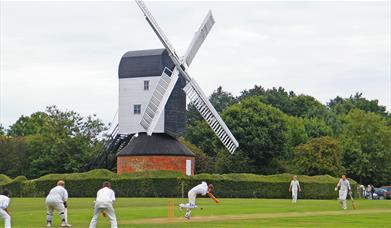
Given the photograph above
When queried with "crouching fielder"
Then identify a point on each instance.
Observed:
(294, 187)
(104, 204)
(201, 189)
(4, 213)
(57, 199)
(344, 187)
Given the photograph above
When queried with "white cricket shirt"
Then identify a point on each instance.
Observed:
(105, 196)
(344, 185)
(295, 185)
(199, 189)
(4, 201)
(58, 194)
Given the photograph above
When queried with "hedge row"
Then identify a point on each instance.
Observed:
(173, 184)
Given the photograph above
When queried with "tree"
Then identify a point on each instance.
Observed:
(198, 132)
(201, 135)
(2, 130)
(319, 156)
(14, 155)
(58, 141)
(220, 100)
(203, 163)
(261, 131)
(308, 107)
(345, 105)
(366, 145)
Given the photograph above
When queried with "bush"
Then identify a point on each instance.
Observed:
(4, 179)
(170, 184)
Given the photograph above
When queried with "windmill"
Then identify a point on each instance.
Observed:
(161, 111)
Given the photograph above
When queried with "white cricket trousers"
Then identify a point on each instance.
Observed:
(192, 198)
(342, 198)
(110, 214)
(6, 217)
(55, 206)
(294, 196)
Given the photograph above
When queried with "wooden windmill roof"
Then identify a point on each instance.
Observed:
(156, 144)
(144, 63)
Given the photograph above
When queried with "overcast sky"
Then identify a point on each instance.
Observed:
(67, 53)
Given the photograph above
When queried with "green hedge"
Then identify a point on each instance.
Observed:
(170, 184)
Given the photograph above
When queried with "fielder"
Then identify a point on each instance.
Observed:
(344, 187)
(57, 199)
(201, 189)
(104, 203)
(4, 213)
(294, 187)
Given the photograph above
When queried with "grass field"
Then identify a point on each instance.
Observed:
(152, 212)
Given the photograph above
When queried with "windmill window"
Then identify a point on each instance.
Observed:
(137, 109)
(146, 85)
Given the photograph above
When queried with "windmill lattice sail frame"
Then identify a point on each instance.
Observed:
(169, 78)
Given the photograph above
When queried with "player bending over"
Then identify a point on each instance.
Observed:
(294, 187)
(4, 213)
(57, 199)
(104, 203)
(201, 189)
(343, 186)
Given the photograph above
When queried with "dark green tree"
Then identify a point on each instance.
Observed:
(357, 101)
(58, 141)
(261, 131)
(2, 130)
(319, 156)
(366, 145)
(14, 155)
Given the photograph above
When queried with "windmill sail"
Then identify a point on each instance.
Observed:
(199, 38)
(167, 82)
(193, 91)
(158, 100)
(212, 117)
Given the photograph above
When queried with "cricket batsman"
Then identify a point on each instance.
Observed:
(57, 199)
(4, 213)
(294, 187)
(344, 187)
(104, 204)
(201, 189)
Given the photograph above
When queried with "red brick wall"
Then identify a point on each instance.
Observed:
(130, 164)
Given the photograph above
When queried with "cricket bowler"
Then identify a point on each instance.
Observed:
(57, 199)
(4, 213)
(104, 204)
(294, 187)
(344, 187)
(201, 189)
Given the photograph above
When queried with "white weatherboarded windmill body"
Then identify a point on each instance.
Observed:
(152, 104)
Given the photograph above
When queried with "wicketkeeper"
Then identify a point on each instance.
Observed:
(4, 213)
(201, 189)
(294, 187)
(344, 187)
(57, 199)
(104, 204)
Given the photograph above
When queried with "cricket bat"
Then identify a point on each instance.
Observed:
(213, 197)
(353, 203)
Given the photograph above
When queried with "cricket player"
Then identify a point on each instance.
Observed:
(201, 189)
(105, 198)
(294, 187)
(4, 213)
(344, 187)
(57, 199)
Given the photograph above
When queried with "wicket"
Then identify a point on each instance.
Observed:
(170, 207)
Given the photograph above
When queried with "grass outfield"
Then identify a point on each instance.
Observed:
(152, 212)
